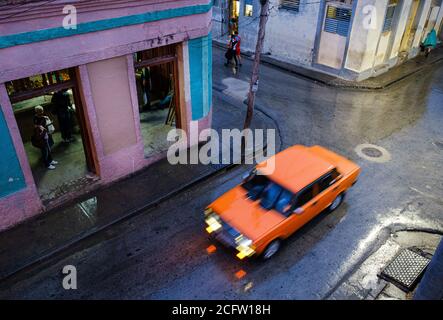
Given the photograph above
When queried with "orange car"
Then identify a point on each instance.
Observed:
(256, 215)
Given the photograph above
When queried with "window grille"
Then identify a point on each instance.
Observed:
(293, 5)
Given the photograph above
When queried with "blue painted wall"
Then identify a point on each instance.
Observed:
(11, 175)
(200, 66)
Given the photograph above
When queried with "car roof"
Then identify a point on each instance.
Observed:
(295, 167)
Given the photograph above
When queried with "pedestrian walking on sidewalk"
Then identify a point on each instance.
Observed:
(429, 43)
(231, 53)
(237, 50)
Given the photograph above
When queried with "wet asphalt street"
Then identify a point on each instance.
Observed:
(161, 253)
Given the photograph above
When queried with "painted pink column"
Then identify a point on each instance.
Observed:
(116, 117)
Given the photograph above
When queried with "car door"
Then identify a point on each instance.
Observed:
(302, 210)
(328, 189)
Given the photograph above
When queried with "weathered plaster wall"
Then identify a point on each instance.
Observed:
(291, 35)
(248, 27)
(112, 101)
(438, 22)
(363, 40)
(383, 45)
(331, 50)
(433, 14)
(219, 25)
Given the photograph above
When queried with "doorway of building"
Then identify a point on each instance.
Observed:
(411, 27)
(335, 31)
(66, 134)
(157, 82)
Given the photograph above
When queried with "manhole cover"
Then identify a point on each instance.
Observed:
(372, 152)
(405, 270)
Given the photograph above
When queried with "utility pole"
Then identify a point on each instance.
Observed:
(253, 86)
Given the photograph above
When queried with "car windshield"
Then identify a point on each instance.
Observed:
(270, 194)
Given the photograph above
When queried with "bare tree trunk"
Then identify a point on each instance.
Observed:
(253, 86)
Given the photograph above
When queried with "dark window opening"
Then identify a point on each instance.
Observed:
(249, 8)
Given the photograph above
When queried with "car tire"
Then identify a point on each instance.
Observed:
(337, 202)
(271, 249)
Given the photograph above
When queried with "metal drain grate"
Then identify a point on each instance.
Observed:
(405, 270)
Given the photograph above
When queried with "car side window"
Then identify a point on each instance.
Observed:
(327, 180)
(304, 196)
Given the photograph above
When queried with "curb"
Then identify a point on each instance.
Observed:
(353, 85)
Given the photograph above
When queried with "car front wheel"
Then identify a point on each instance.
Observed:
(271, 249)
(337, 202)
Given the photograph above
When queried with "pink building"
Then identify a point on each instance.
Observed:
(132, 70)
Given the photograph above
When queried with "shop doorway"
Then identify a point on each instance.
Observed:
(157, 82)
(411, 27)
(57, 94)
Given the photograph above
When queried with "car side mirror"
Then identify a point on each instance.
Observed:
(287, 209)
(299, 211)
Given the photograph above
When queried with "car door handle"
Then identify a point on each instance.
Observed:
(335, 188)
(314, 203)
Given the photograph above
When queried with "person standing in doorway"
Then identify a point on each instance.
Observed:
(43, 138)
(147, 86)
(62, 107)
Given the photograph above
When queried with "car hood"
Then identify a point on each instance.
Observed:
(245, 215)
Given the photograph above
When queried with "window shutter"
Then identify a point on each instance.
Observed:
(290, 5)
(338, 20)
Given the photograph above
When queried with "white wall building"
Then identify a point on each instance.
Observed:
(353, 39)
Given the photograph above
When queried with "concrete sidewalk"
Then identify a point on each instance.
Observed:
(382, 81)
(39, 238)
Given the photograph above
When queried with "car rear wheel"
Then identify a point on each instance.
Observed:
(337, 202)
(271, 249)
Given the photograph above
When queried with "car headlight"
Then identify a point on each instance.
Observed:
(244, 247)
(213, 221)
